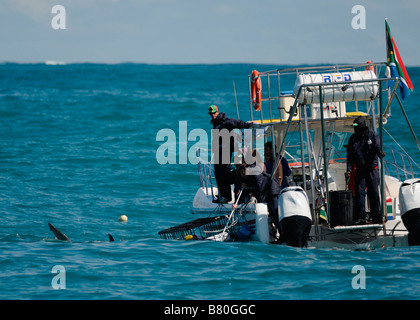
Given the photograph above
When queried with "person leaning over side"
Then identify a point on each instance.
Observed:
(257, 183)
(220, 121)
(363, 150)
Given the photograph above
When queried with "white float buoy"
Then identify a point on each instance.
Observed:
(123, 218)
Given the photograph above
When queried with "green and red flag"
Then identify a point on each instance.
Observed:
(395, 65)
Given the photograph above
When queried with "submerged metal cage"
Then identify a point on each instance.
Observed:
(199, 228)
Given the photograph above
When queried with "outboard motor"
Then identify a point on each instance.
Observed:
(295, 216)
(410, 209)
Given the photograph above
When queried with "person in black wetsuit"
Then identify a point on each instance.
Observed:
(221, 148)
(255, 182)
(363, 150)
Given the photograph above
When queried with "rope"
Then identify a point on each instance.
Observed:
(233, 222)
(233, 211)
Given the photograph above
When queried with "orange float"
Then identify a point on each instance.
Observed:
(256, 90)
(369, 67)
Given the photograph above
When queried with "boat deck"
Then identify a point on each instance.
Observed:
(357, 227)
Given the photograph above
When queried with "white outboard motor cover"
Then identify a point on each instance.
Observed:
(293, 201)
(409, 195)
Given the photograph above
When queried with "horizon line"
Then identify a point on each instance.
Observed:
(63, 63)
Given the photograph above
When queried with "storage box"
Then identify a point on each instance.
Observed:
(341, 208)
(286, 104)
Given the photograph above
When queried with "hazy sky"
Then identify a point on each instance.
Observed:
(207, 31)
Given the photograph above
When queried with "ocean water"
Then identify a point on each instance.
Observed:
(78, 150)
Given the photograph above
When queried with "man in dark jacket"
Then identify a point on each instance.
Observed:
(363, 150)
(223, 147)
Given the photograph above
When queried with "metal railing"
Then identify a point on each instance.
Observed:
(277, 85)
(398, 164)
(206, 174)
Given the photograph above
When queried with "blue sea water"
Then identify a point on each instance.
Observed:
(78, 150)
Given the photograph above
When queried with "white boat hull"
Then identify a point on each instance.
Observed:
(203, 203)
(362, 237)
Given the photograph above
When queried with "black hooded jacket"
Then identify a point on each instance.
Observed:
(258, 183)
(223, 122)
(363, 149)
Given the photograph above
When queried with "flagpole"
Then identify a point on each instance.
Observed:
(408, 122)
(390, 98)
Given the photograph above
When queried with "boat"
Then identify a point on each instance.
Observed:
(54, 63)
(308, 114)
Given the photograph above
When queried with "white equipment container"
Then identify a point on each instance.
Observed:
(335, 93)
(286, 104)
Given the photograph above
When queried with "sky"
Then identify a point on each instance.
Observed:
(282, 32)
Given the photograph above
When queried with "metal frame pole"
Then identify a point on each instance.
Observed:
(325, 174)
(382, 147)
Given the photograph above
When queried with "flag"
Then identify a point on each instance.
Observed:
(395, 65)
(322, 214)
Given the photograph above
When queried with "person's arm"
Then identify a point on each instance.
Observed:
(237, 124)
(350, 160)
(285, 166)
(279, 173)
(378, 150)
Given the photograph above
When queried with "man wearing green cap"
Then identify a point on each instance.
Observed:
(363, 151)
(220, 121)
